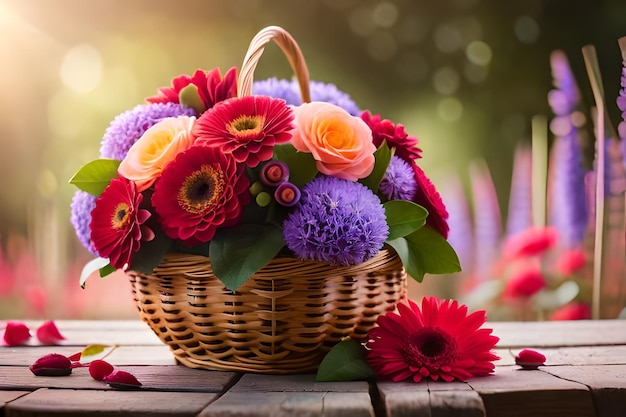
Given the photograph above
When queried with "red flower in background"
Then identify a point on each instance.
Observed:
(531, 242)
(248, 127)
(212, 88)
(571, 262)
(525, 281)
(428, 197)
(572, 311)
(394, 134)
(438, 341)
(117, 223)
(202, 190)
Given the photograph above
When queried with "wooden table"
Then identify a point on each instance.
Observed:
(585, 375)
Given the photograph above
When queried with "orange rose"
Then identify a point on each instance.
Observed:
(155, 149)
(340, 143)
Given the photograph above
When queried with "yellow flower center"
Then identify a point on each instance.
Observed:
(201, 189)
(121, 216)
(245, 125)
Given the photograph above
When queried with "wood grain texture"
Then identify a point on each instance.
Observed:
(61, 402)
(291, 383)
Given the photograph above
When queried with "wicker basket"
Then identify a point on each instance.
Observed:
(287, 315)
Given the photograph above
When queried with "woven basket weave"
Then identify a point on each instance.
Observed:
(287, 315)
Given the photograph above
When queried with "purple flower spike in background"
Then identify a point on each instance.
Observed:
(287, 194)
(399, 182)
(337, 221)
(81, 206)
(127, 127)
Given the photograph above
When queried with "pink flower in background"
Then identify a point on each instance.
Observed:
(571, 261)
(531, 242)
(15, 333)
(526, 281)
(572, 311)
(437, 341)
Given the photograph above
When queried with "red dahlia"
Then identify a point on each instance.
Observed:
(394, 134)
(202, 190)
(437, 341)
(117, 223)
(248, 127)
(211, 87)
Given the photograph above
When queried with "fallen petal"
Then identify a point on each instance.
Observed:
(529, 359)
(122, 379)
(49, 334)
(16, 333)
(53, 364)
(100, 369)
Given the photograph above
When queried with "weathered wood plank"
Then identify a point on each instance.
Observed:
(291, 383)
(96, 403)
(8, 396)
(562, 333)
(404, 399)
(607, 384)
(514, 392)
(456, 404)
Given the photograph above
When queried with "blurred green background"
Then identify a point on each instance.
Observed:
(465, 76)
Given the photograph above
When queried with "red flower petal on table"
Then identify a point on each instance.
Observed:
(122, 378)
(16, 333)
(116, 222)
(428, 197)
(526, 281)
(438, 341)
(531, 242)
(394, 134)
(529, 359)
(572, 311)
(48, 333)
(571, 261)
(211, 190)
(248, 127)
(99, 369)
(212, 88)
(53, 364)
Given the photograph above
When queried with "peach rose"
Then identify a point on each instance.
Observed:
(156, 148)
(340, 143)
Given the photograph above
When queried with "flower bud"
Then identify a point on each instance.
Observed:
(122, 379)
(529, 359)
(16, 333)
(263, 199)
(287, 194)
(274, 173)
(53, 364)
(256, 188)
(99, 369)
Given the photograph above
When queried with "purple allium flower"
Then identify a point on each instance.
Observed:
(290, 92)
(287, 194)
(337, 221)
(81, 206)
(399, 182)
(127, 127)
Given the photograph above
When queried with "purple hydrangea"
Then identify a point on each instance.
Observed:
(127, 127)
(290, 92)
(81, 206)
(399, 182)
(337, 221)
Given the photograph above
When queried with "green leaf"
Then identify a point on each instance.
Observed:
(426, 251)
(302, 167)
(238, 252)
(404, 217)
(106, 270)
(190, 97)
(94, 176)
(151, 253)
(345, 362)
(95, 351)
(382, 157)
(98, 264)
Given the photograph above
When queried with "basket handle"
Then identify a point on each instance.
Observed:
(291, 50)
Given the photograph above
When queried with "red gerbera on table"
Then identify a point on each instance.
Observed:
(438, 341)
(117, 222)
(248, 127)
(210, 191)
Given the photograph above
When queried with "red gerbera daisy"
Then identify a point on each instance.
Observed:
(437, 341)
(394, 134)
(248, 127)
(117, 223)
(211, 87)
(428, 197)
(210, 191)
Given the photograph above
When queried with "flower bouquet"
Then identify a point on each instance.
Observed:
(259, 228)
